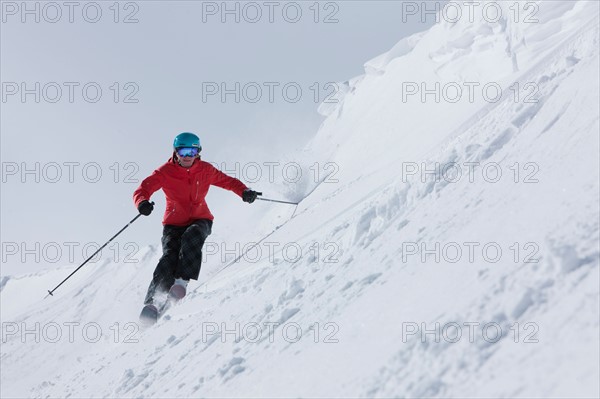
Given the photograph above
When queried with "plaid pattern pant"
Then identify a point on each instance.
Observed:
(182, 255)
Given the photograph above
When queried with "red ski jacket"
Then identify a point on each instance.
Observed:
(186, 190)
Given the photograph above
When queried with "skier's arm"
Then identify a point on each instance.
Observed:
(148, 187)
(220, 179)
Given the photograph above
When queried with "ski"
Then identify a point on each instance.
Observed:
(151, 313)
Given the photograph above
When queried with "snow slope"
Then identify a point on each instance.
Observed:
(365, 312)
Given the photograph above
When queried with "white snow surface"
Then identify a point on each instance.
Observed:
(362, 313)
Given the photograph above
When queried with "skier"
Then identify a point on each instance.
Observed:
(185, 180)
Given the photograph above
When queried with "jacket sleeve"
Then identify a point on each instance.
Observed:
(148, 187)
(220, 179)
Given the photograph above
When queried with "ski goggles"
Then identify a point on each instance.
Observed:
(187, 151)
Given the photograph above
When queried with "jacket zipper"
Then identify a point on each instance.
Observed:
(170, 213)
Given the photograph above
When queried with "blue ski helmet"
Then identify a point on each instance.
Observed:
(187, 140)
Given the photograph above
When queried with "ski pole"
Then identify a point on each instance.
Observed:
(50, 292)
(281, 202)
(273, 200)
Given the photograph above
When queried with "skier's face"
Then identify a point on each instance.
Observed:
(186, 162)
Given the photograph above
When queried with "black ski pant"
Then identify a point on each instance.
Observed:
(182, 255)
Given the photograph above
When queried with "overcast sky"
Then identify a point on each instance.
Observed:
(94, 93)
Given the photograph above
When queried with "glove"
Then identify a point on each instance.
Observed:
(145, 207)
(249, 196)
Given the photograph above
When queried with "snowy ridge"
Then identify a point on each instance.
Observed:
(360, 289)
(443, 58)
